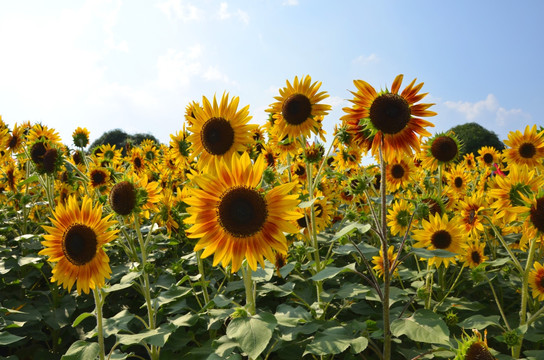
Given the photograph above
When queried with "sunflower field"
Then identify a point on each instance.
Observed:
(239, 241)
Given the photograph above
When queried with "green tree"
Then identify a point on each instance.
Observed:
(474, 136)
(120, 138)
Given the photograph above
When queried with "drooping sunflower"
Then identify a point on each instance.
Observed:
(298, 107)
(219, 130)
(536, 281)
(180, 145)
(525, 149)
(440, 233)
(233, 219)
(75, 242)
(389, 115)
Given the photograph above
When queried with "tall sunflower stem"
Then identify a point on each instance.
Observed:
(99, 297)
(516, 350)
(250, 289)
(202, 276)
(147, 286)
(322, 165)
(450, 289)
(505, 245)
(498, 303)
(386, 260)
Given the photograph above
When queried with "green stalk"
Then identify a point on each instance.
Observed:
(99, 302)
(146, 287)
(249, 286)
(516, 350)
(202, 276)
(386, 261)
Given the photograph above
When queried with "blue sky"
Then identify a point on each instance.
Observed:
(136, 64)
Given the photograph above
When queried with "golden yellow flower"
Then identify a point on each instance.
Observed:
(234, 220)
(75, 242)
(388, 115)
(297, 109)
(440, 233)
(219, 130)
(474, 254)
(398, 217)
(525, 149)
(536, 281)
(378, 261)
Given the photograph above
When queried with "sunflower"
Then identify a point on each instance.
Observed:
(233, 219)
(16, 139)
(80, 136)
(75, 242)
(458, 180)
(525, 149)
(190, 112)
(469, 162)
(442, 148)
(488, 155)
(509, 191)
(39, 133)
(536, 281)
(471, 209)
(399, 173)
(219, 130)
(180, 145)
(378, 262)
(99, 177)
(440, 233)
(134, 195)
(473, 348)
(297, 108)
(474, 254)
(107, 156)
(138, 160)
(388, 115)
(347, 157)
(398, 217)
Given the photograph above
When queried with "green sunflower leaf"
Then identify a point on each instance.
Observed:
(82, 350)
(423, 326)
(252, 333)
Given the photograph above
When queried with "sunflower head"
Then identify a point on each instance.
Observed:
(297, 108)
(473, 347)
(442, 148)
(75, 243)
(123, 197)
(80, 136)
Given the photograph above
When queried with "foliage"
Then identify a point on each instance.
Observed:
(474, 136)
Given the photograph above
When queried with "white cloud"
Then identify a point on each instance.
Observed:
(181, 10)
(243, 16)
(290, 2)
(176, 68)
(488, 113)
(213, 73)
(366, 59)
(223, 11)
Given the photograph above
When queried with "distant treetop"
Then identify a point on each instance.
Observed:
(474, 136)
(119, 138)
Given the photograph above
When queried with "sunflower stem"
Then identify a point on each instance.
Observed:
(505, 245)
(99, 301)
(202, 276)
(386, 262)
(147, 287)
(516, 350)
(249, 286)
(498, 303)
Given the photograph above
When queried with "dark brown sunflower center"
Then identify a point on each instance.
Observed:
(441, 239)
(77, 158)
(390, 113)
(270, 159)
(50, 160)
(300, 170)
(138, 163)
(318, 209)
(527, 150)
(242, 211)
(397, 171)
(37, 151)
(458, 182)
(471, 216)
(217, 136)
(296, 109)
(123, 198)
(444, 148)
(488, 158)
(433, 205)
(302, 222)
(476, 258)
(98, 177)
(537, 214)
(79, 244)
(478, 351)
(13, 141)
(541, 282)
